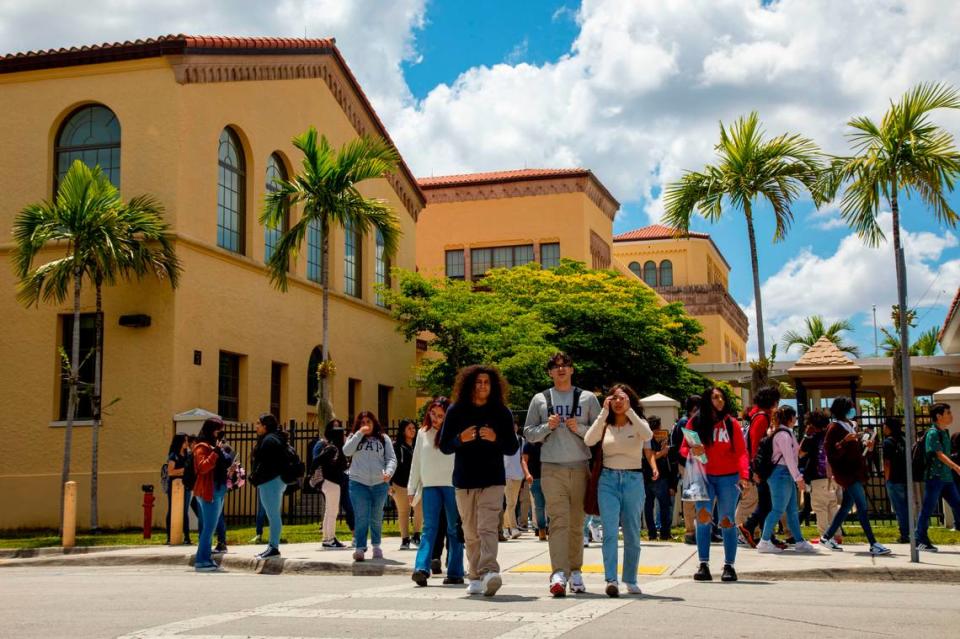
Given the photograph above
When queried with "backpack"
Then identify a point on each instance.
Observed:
(576, 400)
(189, 473)
(918, 457)
(309, 486)
(763, 462)
(293, 468)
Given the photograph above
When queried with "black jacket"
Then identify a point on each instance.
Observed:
(269, 458)
(331, 460)
(404, 455)
(478, 463)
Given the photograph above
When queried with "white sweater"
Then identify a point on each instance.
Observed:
(429, 467)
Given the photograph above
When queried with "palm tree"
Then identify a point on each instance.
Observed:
(327, 189)
(926, 344)
(904, 152)
(105, 239)
(749, 167)
(815, 329)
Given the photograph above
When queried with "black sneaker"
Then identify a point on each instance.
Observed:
(927, 546)
(690, 540)
(220, 547)
(729, 574)
(420, 577)
(703, 573)
(435, 567)
(452, 580)
(268, 553)
(405, 544)
(336, 543)
(416, 539)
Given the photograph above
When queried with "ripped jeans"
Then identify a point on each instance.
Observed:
(725, 490)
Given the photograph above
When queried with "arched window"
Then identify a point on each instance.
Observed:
(271, 236)
(91, 134)
(650, 273)
(666, 273)
(635, 268)
(231, 193)
(313, 385)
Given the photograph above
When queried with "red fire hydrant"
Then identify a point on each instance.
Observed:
(148, 500)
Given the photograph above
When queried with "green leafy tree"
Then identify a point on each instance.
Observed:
(613, 327)
(815, 328)
(926, 344)
(106, 239)
(326, 190)
(749, 168)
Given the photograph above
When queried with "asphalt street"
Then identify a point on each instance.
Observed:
(174, 602)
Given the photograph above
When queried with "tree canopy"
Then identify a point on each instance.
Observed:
(613, 328)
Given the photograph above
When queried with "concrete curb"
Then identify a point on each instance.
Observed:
(26, 553)
(904, 573)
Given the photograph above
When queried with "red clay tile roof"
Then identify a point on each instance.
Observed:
(655, 232)
(494, 177)
(954, 306)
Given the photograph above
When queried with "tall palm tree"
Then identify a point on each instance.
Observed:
(815, 328)
(906, 153)
(749, 167)
(326, 188)
(105, 239)
(926, 344)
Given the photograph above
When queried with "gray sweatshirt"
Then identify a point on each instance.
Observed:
(372, 456)
(561, 446)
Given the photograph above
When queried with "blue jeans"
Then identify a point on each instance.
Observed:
(211, 511)
(783, 499)
(261, 516)
(620, 496)
(221, 529)
(435, 499)
(658, 493)
(898, 499)
(933, 491)
(852, 495)
(368, 502)
(271, 498)
(539, 504)
(726, 492)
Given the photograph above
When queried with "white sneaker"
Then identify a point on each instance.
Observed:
(634, 589)
(514, 533)
(766, 546)
(831, 544)
(878, 549)
(806, 548)
(576, 582)
(596, 532)
(491, 583)
(475, 587)
(586, 541)
(558, 584)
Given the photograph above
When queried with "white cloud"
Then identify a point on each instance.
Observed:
(851, 280)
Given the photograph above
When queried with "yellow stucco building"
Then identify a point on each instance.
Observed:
(691, 270)
(203, 124)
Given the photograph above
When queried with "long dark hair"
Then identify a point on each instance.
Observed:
(707, 416)
(176, 444)
(269, 422)
(441, 402)
(333, 433)
(631, 395)
(840, 407)
(377, 428)
(467, 379)
(402, 430)
(211, 426)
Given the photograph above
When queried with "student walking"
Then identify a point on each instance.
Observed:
(938, 473)
(784, 482)
(691, 406)
(513, 470)
(824, 492)
(661, 491)
(373, 464)
(403, 449)
(328, 456)
(531, 468)
(210, 464)
(178, 456)
(269, 463)
(624, 437)
(895, 474)
(721, 439)
(757, 490)
(478, 430)
(431, 483)
(559, 418)
(846, 459)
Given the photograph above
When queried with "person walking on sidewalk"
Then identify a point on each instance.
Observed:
(513, 470)
(403, 449)
(559, 418)
(784, 482)
(938, 473)
(845, 454)
(531, 468)
(895, 474)
(478, 431)
(624, 437)
(691, 406)
(269, 462)
(328, 456)
(727, 469)
(374, 463)
(824, 492)
(431, 483)
(757, 490)
(210, 465)
(661, 491)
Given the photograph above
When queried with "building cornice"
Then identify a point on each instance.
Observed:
(708, 299)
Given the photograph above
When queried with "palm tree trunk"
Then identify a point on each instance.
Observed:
(72, 381)
(324, 407)
(95, 435)
(760, 375)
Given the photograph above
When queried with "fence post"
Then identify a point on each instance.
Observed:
(69, 538)
(176, 512)
(293, 442)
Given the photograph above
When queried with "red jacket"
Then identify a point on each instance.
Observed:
(759, 423)
(204, 463)
(726, 455)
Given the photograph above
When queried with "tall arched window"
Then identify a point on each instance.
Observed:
(231, 193)
(666, 273)
(313, 385)
(271, 235)
(91, 134)
(650, 273)
(635, 269)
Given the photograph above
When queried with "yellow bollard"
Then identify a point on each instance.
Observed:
(176, 512)
(69, 539)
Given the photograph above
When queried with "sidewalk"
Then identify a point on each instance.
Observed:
(529, 556)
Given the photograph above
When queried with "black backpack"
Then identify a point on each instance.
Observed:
(763, 462)
(189, 473)
(918, 457)
(293, 468)
(576, 400)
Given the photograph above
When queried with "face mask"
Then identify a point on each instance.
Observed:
(851, 413)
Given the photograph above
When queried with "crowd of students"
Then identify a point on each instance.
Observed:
(463, 471)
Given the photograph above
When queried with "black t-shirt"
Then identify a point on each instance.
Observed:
(894, 451)
(532, 451)
(478, 463)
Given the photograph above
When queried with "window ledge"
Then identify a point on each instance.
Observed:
(77, 422)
